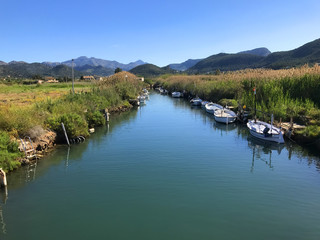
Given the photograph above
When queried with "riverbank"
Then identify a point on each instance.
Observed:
(290, 94)
(86, 108)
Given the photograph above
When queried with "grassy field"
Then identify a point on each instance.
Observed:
(19, 94)
(23, 107)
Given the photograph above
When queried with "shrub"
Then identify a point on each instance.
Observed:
(95, 119)
(9, 153)
(74, 124)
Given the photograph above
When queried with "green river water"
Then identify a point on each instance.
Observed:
(166, 171)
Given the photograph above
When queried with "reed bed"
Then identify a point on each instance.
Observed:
(288, 93)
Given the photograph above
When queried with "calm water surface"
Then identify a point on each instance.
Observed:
(166, 171)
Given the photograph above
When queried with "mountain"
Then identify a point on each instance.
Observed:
(185, 65)
(82, 61)
(150, 70)
(306, 54)
(29, 70)
(17, 62)
(257, 51)
(52, 64)
(95, 70)
(226, 62)
(309, 53)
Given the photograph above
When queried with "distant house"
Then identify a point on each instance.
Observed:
(88, 78)
(141, 79)
(50, 80)
(98, 78)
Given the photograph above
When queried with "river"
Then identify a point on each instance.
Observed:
(166, 171)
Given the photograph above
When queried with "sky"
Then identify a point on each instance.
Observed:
(157, 32)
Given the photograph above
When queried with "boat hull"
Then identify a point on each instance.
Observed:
(225, 116)
(176, 94)
(225, 120)
(212, 107)
(257, 128)
(196, 102)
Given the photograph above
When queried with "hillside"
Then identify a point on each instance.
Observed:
(29, 70)
(306, 54)
(263, 52)
(83, 61)
(150, 70)
(225, 62)
(95, 70)
(185, 65)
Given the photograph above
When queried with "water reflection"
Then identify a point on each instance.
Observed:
(4, 198)
(29, 173)
(3, 224)
(263, 151)
(224, 129)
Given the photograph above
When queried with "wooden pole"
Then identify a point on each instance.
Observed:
(72, 78)
(255, 104)
(65, 134)
(3, 178)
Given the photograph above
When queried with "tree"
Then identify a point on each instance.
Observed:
(117, 70)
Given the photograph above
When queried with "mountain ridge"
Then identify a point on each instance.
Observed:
(308, 53)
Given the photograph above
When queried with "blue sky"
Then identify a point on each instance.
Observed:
(158, 32)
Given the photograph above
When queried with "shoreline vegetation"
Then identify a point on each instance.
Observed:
(289, 94)
(36, 108)
(30, 110)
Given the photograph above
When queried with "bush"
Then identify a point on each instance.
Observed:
(74, 124)
(9, 153)
(95, 119)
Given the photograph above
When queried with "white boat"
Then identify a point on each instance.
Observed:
(196, 101)
(145, 91)
(225, 116)
(163, 91)
(203, 104)
(176, 94)
(142, 99)
(265, 131)
(212, 107)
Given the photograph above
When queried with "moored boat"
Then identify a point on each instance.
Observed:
(225, 116)
(265, 131)
(212, 107)
(176, 94)
(142, 99)
(196, 101)
(203, 104)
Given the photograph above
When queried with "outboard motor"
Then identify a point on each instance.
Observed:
(265, 132)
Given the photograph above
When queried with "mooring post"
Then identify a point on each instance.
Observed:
(3, 178)
(107, 115)
(65, 134)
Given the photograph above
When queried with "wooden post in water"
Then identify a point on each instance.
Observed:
(65, 133)
(107, 115)
(3, 178)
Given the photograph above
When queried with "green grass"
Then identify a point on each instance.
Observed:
(8, 153)
(20, 88)
(77, 111)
